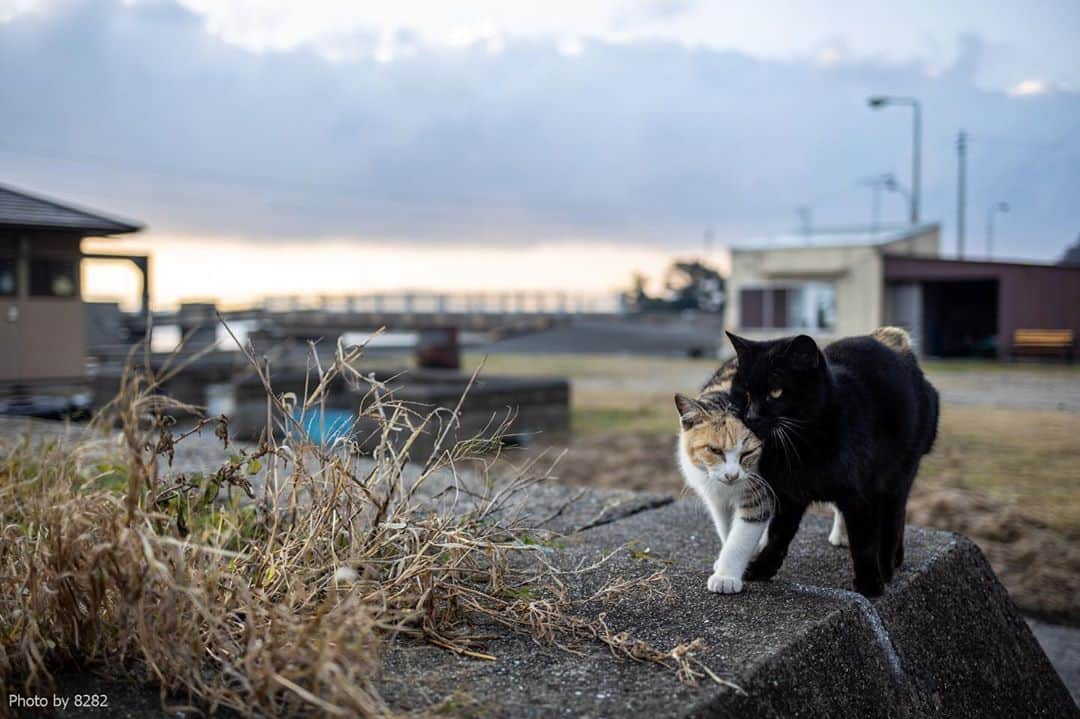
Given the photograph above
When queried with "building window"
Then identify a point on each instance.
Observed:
(808, 306)
(54, 278)
(7, 277)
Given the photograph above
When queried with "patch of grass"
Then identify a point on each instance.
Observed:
(1026, 457)
(588, 421)
(610, 369)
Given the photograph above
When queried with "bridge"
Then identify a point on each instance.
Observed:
(500, 313)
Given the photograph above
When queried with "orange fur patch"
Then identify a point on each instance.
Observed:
(721, 432)
(895, 338)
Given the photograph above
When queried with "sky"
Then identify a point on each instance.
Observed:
(281, 147)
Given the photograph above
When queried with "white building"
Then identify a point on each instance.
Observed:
(826, 286)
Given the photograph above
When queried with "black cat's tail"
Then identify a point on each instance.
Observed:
(930, 407)
(898, 340)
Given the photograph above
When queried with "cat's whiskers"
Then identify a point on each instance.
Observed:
(792, 435)
(782, 440)
(759, 486)
(789, 431)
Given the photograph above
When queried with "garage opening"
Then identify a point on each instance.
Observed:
(960, 318)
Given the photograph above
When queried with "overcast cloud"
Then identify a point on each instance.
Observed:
(156, 112)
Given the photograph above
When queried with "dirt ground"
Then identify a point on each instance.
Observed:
(1039, 565)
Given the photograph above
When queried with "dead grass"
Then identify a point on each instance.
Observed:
(1027, 459)
(277, 603)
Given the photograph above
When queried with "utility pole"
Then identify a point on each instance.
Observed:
(916, 163)
(961, 190)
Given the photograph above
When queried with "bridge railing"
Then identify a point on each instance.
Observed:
(525, 302)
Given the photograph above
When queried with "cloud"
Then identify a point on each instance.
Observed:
(1026, 88)
(647, 12)
(503, 140)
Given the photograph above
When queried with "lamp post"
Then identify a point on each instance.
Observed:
(994, 209)
(879, 101)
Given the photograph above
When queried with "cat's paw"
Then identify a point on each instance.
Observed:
(724, 585)
(838, 538)
(872, 587)
(761, 569)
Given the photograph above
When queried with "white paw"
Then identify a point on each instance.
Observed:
(838, 539)
(724, 585)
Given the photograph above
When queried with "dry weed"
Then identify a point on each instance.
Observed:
(280, 601)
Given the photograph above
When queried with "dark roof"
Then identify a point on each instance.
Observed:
(24, 210)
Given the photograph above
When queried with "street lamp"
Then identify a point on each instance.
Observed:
(879, 101)
(995, 208)
(876, 184)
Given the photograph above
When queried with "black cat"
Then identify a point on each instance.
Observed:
(848, 425)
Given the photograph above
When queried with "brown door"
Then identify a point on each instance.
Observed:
(51, 320)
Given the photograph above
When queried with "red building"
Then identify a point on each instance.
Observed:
(960, 307)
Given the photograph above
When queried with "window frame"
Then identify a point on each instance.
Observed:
(73, 262)
(770, 293)
(14, 294)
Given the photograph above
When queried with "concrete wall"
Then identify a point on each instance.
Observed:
(855, 270)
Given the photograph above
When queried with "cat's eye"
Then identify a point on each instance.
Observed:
(715, 450)
(775, 393)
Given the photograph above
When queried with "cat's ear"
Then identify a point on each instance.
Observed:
(803, 353)
(690, 411)
(744, 349)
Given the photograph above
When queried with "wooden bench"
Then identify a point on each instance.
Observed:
(1044, 342)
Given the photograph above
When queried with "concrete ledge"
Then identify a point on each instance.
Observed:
(944, 640)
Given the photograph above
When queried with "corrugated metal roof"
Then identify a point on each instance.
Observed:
(22, 209)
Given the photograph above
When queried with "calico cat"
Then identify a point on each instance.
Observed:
(847, 425)
(718, 457)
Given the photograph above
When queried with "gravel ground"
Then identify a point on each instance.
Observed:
(1027, 389)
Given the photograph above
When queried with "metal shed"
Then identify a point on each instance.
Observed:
(961, 307)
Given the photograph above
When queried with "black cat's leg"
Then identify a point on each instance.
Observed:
(782, 529)
(892, 511)
(901, 519)
(898, 552)
(864, 535)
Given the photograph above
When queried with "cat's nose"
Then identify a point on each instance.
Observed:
(730, 476)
